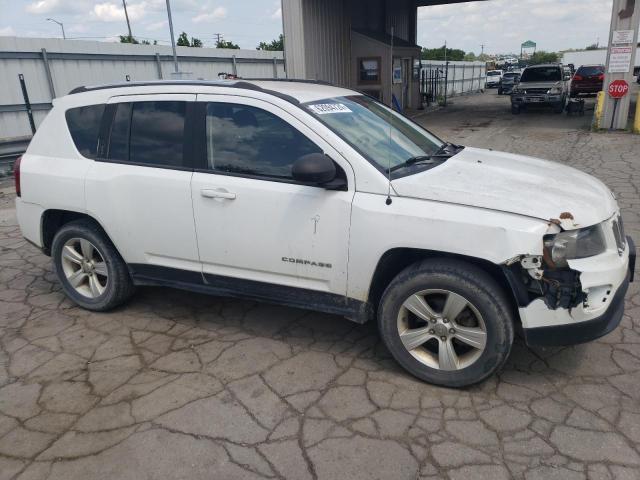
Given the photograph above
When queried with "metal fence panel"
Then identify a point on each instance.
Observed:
(56, 66)
(440, 80)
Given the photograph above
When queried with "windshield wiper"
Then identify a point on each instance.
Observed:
(445, 151)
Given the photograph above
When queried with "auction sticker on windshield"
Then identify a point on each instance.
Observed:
(324, 108)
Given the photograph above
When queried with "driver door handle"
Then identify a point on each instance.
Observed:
(217, 193)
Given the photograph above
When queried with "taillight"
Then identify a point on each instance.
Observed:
(601, 77)
(16, 175)
(577, 77)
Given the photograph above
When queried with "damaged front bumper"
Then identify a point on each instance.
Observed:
(605, 280)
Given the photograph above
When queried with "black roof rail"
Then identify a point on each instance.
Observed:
(239, 83)
(290, 80)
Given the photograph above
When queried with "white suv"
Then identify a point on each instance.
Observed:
(319, 197)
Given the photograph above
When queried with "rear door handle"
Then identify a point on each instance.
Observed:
(217, 193)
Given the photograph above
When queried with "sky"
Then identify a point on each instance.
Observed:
(501, 25)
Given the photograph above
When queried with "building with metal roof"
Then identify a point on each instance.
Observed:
(349, 43)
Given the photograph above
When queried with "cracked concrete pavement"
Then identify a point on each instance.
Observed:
(180, 385)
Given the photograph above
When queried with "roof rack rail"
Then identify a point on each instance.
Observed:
(290, 80)
(239, 83)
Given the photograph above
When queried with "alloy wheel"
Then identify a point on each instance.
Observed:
(442, 329)
(84, 267)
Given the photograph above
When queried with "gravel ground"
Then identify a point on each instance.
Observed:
(179, 385)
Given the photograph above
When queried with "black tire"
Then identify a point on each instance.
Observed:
(558, 108)
(464, 279)
(515, 110)
(119, 287)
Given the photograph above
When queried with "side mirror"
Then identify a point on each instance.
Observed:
(314, 168)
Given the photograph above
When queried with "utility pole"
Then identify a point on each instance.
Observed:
(126, 15)
(218, 37)
(482, 49)
(173, 40)
(623, 38)
(61, 26)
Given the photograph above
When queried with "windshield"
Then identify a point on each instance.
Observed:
(510, 75)
(493, 73)
(382, 136)
(542, 74)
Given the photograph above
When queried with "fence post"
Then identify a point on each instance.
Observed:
(446, 82)
(159, 65)
(47, 70)
(275, 67)
(464, 69)
(27, 103)
(473, 75)
(234, 65)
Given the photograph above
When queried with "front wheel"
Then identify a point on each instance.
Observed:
(515, 110)
(446, 322)
(89, 268)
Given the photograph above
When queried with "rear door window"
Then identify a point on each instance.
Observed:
(148, 133)
(84, 126)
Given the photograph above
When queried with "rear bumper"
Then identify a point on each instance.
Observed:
(586, 89)
(29, 219)
(587, 330)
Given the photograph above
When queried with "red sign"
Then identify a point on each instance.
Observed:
(618, 88)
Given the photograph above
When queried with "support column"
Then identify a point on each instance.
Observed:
(47, 70)
(625, 16)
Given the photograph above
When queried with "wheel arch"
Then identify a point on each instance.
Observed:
(395, 260)
(53, 219)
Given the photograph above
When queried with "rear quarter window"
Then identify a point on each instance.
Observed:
(84, 126)
(595, 70)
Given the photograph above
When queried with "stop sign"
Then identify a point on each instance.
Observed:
(618, 88)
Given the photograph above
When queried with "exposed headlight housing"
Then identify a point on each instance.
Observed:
(554, 91)
(573, 244)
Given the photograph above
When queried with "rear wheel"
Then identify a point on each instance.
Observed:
(446, 322)
(89, 268)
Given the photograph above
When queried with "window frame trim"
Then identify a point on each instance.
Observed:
(201, 164)
(188, 146)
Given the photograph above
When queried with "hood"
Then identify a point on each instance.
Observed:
(513, 183)
(539, 84)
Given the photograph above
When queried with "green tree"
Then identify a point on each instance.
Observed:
(183, 40)
(543, 57)
(453, 54)
(593, 46)
(226, 44)
(470, 57)
(275, 45)
(128, 39)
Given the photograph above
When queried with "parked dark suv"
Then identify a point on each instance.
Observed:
(508, 82)
(588, 79)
